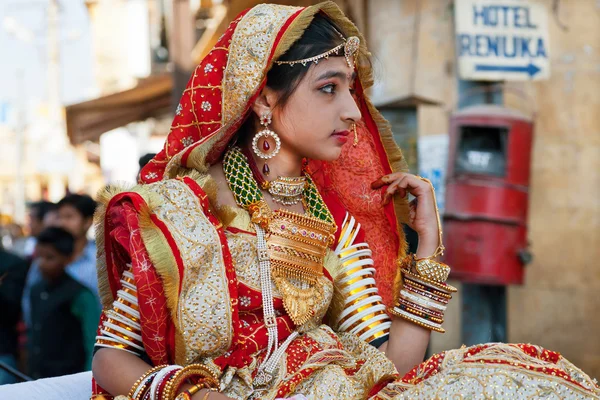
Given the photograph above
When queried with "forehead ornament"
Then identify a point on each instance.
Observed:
(350, 46)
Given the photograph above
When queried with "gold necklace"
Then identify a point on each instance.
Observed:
(286, 191)
(295, 244)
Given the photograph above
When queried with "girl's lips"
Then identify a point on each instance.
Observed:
(341, 134)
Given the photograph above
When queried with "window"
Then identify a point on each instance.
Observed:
(482, 150)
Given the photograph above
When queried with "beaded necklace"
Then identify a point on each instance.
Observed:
(293, 257)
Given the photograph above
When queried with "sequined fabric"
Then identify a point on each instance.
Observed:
(494, 371)
(204, 313)
(320, 363)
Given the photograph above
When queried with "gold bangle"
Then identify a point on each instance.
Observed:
(425, 294)
(426, 267)
(406, 302)
(439, 251)
(142, 378)
(428, 289)
(432, 269)
(443, 287)
(422, 314)
(414, 321)
(194, 389)
(186, 373)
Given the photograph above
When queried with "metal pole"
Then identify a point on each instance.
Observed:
(20, 161)
(53, 62)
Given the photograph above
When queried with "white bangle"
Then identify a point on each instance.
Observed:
(160, 375)
(121, 340)
(383, 327)
(111, 314)
(422, 301)
(127, 309)
(125, 332)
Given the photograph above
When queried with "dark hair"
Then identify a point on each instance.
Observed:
(39, 209)
(321, 36)
(59, 239)
(81, 202)
(145, 159)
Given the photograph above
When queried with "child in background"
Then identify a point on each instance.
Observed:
(64, 313)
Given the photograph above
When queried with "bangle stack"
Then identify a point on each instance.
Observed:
(424, 295)
(121, 329)
(165, 382)
(363, 312)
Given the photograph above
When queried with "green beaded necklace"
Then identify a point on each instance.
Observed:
(246, 191)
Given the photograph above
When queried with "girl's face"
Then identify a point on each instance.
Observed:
(316, 121)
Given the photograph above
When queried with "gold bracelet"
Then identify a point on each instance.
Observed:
(414, 321)
(421, 314)
(427, 289)
(426, 267)
(418, 307)
(185, 373)
(439, 251)
(142, 378)
(194, 389)
(442, 287)
(432, 269)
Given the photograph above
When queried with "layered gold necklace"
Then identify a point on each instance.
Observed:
(295, 244)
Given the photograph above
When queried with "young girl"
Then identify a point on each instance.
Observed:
(257, 258)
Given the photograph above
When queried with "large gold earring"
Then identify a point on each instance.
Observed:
(266, 150)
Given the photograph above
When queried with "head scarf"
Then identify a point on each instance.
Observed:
(219, 96)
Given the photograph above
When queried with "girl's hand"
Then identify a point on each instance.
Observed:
(423, 213)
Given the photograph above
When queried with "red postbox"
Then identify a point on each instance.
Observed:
(487, 191)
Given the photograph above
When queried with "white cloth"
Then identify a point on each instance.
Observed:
(72, 387)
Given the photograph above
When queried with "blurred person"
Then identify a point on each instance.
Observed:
(75, 214)
(64, 312)
(42, 214)
(13, 270)
(143, 160)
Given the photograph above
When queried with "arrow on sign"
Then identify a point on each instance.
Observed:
(529, 69)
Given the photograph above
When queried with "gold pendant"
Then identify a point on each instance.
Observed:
(300, 304)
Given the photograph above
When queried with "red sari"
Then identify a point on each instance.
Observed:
(194, 263)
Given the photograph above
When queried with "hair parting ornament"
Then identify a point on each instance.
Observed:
(350, 46)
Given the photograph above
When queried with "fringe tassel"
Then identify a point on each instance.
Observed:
(197, 157)
(224, 213)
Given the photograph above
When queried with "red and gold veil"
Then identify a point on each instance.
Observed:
(218, 99)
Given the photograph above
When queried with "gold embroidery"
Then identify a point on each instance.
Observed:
(202, 87)
(204, 312)
(249, 53)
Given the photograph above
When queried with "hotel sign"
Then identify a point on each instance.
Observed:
(502, 40)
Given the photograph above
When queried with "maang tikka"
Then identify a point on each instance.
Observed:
(266, 150)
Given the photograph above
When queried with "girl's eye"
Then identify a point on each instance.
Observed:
(329, 89)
